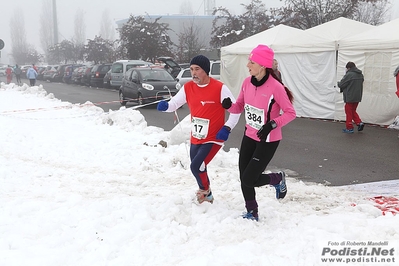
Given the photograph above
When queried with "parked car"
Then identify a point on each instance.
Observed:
(97, 74)
(67, 78)
(120, 67)
(107, 80)
(40, 70)
(145, 85)
(185, 74)
(77, 75)
(86, 75)
(3, 71)
(184, 65)
(170, 65)
(59, 74)
(49, 72)
(215, 70)
(24, 69)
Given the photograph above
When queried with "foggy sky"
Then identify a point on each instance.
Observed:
(93, 10)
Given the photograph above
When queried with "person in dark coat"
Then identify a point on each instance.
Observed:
(351, 85)
(18, 72)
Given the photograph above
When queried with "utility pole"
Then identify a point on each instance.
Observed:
(55, 22)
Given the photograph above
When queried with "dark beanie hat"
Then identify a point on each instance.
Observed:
(201, 61)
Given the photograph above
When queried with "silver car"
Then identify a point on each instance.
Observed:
(119, 68)
(185, 75)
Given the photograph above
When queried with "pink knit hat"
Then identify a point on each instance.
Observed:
(263, 55)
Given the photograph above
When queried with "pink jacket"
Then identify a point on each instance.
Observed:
(262, 104)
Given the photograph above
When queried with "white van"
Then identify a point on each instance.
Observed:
(120, 67)
(185, 74)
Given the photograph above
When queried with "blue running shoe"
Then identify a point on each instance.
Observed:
(345, 130)
(281, 188)
(250, 216)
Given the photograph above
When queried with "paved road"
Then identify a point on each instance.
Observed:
(319, 152)
(315, 150)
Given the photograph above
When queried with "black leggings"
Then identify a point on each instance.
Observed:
(253, 160)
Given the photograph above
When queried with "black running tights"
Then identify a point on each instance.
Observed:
(253, 160)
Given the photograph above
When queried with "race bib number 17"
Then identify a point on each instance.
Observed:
(199, 127)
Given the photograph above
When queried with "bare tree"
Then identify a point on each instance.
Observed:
(20, 47)
(304, 14)
(46, 27)
(80, 28)
(186, 8)
(228, 28)
(373, 13)
(190, 43)
(107, 29)
(255, 18)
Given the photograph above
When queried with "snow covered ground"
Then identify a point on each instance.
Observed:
(80, 186)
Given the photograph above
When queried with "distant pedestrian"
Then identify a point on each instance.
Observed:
(17, 72)
(31, 74)
(275, 69)
(9, 74)
(395, 74)
(351, 85)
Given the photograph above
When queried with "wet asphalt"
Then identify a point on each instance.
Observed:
(315, 150)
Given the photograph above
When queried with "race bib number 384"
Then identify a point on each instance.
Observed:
(254, 116)
(199, 127)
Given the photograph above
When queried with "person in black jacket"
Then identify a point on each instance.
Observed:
(351, 85)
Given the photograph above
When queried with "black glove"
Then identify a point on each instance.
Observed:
(264, 131)
(226, 103)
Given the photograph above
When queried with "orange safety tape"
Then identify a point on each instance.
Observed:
(78, 105)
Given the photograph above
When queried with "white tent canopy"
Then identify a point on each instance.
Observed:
(384, 36)
(269, 36)
(309, 66)
(235, 56)
(311, 61)
(340, 28)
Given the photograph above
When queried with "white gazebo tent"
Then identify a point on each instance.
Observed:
(234, 57)
(311, 63)
(307, 60)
